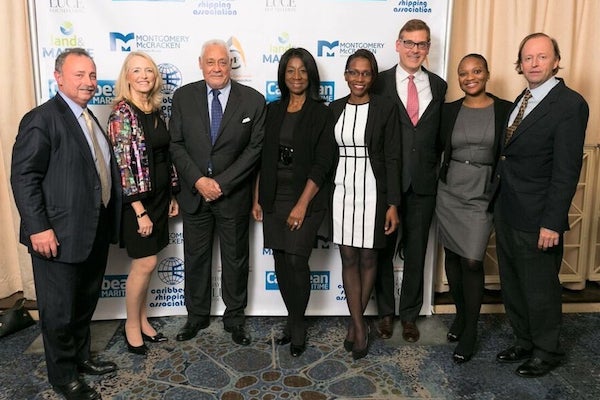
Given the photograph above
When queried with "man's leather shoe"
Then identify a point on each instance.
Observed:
(386, 327)
(239, 335)
(190, 330)
(535, 367)
(92, 367)
(410, 332)
(513, 354)
(77, 390)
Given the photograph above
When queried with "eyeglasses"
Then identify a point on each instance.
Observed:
(409, 44)
(355, 74)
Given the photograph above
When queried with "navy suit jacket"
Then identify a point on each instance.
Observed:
(234, 154)
(421, 147)
(539, 168)
(56, 184)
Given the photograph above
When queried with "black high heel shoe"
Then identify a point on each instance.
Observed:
(452, 337)
(461, 358)
(362, 353)
(159, 337)
(348, 345)
(297, 350)
(139, 350)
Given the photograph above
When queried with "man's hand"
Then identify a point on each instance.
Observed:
(548, 238)
(208, 188)
(45, 243)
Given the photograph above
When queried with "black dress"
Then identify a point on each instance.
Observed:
(157, 201)
(277, 234)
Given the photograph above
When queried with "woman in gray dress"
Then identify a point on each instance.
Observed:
(470, 129)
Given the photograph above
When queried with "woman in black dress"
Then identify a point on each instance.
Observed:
(366, 194)
(293, 183)
(141, 144)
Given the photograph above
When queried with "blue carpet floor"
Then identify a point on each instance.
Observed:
(212, 367)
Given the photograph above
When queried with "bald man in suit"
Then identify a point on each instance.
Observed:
(217, 130)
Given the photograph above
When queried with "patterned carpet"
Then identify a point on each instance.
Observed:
(211, 366)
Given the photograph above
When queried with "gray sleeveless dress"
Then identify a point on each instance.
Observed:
(461, 209)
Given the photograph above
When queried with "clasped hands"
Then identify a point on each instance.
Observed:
(208, 188)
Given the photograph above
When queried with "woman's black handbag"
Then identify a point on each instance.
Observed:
(15, 318)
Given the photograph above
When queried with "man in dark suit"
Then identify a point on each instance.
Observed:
(217, 129)
(537, 175)
(62, 178)
(420, 158)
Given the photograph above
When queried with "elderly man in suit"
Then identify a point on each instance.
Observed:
(217, 130)
(419, 95)
(537, 175)
(62, 178)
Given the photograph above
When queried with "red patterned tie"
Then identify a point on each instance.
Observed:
(412, 103)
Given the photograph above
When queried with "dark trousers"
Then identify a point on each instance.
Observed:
(531, 290)
(67, 295)
(198, 232)
(385, 282)
(417, 212)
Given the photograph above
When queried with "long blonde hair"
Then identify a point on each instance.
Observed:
(122, 90)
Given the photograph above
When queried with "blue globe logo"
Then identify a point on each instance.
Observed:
(170, 271)
(171, 77)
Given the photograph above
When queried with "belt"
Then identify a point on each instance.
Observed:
(474, 163)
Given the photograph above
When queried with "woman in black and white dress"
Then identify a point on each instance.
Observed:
(367, 187)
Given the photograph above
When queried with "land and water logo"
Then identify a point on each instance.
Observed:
(319, 280)
(277, 48)
(130, 41)
(63, 37)
(326, 48)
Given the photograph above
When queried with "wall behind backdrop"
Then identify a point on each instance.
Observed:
(492, 28)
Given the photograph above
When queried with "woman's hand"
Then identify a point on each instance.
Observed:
(173, 208)
(296, 217)
(391, 220)
(145, 226)
(257, 213)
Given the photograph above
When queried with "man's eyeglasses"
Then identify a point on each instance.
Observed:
(409, 44)
(354, 73)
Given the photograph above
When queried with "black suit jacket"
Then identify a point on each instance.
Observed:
(449, 115)
(55, 181)
(385, 148)
(420, 144)
(539, 168)
(314, 152)
(234, 153)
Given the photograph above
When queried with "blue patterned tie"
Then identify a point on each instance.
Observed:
(216, 115)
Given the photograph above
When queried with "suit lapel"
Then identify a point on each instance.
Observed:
(541, 110)
(71, 125)
(233, 104)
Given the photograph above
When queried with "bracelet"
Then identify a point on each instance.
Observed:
(140, 215)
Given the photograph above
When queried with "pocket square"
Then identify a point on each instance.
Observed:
(245, 120)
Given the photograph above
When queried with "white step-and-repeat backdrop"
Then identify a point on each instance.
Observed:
(258, 32)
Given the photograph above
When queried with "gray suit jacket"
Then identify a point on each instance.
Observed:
(234, 154)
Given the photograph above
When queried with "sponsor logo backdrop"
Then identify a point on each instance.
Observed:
(258, 32)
